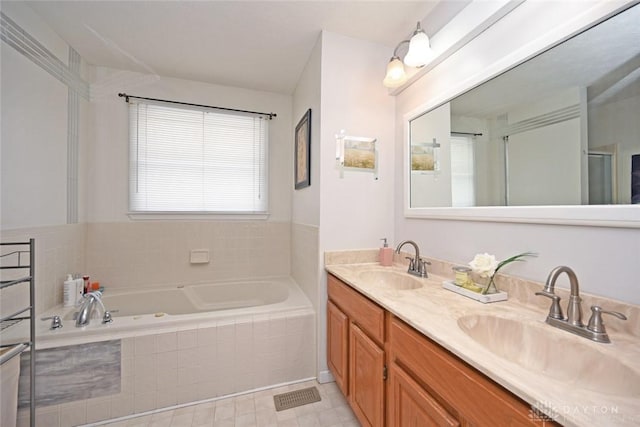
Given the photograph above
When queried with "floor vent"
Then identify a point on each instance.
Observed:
(296, 398)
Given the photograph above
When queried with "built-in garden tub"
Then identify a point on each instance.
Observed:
(172, 345)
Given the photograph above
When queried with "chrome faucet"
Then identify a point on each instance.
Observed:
(417, 265)
(595, 330)
(89, 302)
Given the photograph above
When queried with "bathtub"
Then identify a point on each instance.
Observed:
(143, 310)
(169, 346)
(201, 298)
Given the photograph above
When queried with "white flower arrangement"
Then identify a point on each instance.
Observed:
(486, 266)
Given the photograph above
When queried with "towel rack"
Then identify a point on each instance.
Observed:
(15, 260)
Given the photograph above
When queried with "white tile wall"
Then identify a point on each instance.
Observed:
(59, 250)
(305, 259)
(126, 254)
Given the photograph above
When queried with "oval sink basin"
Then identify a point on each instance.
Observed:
(390, 279)
(542, 350)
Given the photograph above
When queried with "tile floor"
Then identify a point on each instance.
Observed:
(254, 410)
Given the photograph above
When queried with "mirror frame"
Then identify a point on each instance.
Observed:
(623, 216)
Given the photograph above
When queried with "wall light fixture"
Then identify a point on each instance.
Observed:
(417, 56)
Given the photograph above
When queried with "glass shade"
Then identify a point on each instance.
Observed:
(395, 73)
(419, 53)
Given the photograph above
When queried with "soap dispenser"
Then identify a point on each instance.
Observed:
(386, 254)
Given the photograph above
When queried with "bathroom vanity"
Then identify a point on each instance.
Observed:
(426, 384)
(406, 351)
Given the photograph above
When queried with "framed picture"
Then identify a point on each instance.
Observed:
(303, 152)
(359, 153)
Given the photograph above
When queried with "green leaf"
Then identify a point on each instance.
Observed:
(515, 258)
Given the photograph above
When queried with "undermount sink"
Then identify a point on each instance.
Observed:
(390, 279)
(543, 351)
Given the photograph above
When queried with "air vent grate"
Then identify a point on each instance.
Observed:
(296, 398)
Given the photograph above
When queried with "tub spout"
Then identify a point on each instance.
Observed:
(87, 308)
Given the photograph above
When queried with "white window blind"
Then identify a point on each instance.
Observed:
(191, 160)
(462, 172)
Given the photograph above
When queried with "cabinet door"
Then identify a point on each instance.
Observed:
(338, 346)
(366, 382)
(411, 406)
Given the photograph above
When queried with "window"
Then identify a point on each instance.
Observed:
(462, 172)
(191, 160)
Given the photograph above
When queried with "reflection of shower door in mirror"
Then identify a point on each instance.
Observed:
(601, 183)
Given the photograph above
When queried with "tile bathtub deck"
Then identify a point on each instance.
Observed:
(254, 410)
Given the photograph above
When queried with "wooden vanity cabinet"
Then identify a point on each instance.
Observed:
(355, 351)
(426, 385)
(430, 386)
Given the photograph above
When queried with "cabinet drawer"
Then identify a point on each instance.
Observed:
(469, 392)
(367, 315)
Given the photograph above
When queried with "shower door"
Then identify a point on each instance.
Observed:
(601, 179)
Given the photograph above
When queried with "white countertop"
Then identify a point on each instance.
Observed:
(435, 312)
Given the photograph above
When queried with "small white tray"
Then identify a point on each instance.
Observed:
(498, 296)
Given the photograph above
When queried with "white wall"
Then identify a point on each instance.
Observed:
(305, 206)
(305, 202)
(108, 176)
(34, 164)
(538, 178)
(34, 131)
(604, 258)
(433, 188)
(535, 176)
(355, 210)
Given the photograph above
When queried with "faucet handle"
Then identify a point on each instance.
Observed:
(107, 318)
(56, 322)
(555, 311)
(422, 268)
(411, 262)
(595, 322)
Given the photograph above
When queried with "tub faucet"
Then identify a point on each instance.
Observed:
(595, 330)
(89, 302)
(417, 266)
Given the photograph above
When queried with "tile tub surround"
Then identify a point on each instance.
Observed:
(59, 251)
(435, 311)
(182, 365)
(156, 253)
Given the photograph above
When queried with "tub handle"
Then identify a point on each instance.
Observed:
(56, 322)
(107, 317)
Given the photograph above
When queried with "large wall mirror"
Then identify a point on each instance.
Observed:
(556, 138)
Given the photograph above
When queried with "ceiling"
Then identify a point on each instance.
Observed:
(260, 45)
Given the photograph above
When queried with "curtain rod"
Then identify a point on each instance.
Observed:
(465, 133)
(126, 98)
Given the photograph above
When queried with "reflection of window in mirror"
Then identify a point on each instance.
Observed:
(463, 176)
